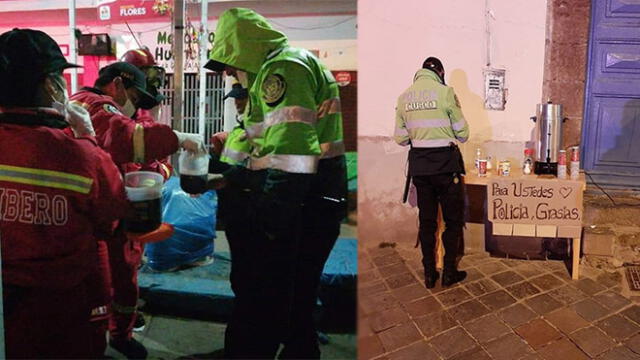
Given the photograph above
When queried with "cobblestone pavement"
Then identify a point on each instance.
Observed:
(506, 309)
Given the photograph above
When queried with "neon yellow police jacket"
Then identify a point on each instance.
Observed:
(428, 114)
(293, 117)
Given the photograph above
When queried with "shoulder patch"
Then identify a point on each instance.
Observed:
(111, 109)
(273, 89)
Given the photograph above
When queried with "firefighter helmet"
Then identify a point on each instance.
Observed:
(143, 60)
(139, 57)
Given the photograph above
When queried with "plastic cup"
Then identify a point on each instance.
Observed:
(144, 191)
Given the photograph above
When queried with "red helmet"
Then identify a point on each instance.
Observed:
(143, 60)
(139, 58)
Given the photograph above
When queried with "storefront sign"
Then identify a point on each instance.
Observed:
(535, 201)
(162, 49)
(127, 10)
(343, 78)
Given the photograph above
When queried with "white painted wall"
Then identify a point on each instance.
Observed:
(394, 40)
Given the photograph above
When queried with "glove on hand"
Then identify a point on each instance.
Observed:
(193, 143)
(79, 120)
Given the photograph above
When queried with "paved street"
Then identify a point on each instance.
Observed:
(167, 337)
(505, 310)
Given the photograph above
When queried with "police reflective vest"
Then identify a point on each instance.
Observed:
(294, 117)
(301, 119)
(428, 114)
(236, 148)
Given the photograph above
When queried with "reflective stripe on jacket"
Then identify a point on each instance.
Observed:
(236, 148)
(304, 124)
(428, 114)
(119, 135)
(56, 194)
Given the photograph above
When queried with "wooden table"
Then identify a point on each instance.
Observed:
(479, 210)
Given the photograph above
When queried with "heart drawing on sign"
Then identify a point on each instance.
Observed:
(565, 191)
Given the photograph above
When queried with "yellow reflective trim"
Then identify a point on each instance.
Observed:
(52, 184)
(166, 169)
(138, 144)
(59, 174)
(80, 103)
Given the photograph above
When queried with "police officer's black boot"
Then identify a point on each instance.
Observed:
(450, 276)
(431, 276)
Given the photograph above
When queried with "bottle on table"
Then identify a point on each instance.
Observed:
(562, 164)
(575, 162)
(527, 163)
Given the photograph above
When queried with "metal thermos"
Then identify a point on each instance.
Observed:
(548, 137)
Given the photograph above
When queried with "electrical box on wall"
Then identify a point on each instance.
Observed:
(494, 89)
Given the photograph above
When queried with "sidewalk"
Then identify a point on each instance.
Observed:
(505, 309)
(168, 337)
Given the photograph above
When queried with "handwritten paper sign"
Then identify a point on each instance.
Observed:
(535, 201)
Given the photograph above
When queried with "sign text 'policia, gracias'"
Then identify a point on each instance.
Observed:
(540, 201)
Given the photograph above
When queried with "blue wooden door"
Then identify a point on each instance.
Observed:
(611, 127)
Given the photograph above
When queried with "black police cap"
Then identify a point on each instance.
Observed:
(237, 92)
(433, 63)
(214, 65)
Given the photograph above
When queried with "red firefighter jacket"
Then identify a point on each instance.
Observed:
(57, 195)
(124, 139)
(161, 166)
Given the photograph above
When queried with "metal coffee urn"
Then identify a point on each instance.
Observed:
(548, 137)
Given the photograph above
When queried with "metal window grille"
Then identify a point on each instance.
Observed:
(214, 112)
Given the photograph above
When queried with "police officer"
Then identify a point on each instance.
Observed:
(294, 126)
(57, 194)
(429, 119)
(232, 149)
(236, 150)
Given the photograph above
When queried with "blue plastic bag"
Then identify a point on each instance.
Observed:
(194, 220)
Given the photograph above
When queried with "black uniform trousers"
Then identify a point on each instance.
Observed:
(292, 233)
(323, 212)
(445, 190)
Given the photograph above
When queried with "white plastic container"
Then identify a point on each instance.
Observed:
(562, 171)
(193, 172)
(144, 191)
(574, 170)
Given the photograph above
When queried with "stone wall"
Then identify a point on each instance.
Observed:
(566, 62)
(612, 232)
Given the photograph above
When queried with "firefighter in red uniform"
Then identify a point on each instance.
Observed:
(57, 194)
(149, 110)
(115, 98)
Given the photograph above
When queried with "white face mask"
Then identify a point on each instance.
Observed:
(156, 113)
(128, 108)
(60, 97)
(242, 78)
